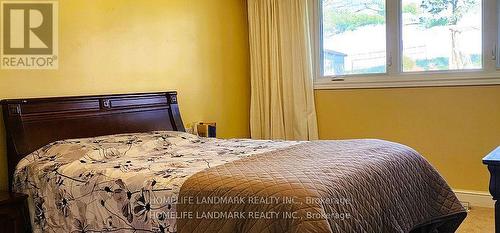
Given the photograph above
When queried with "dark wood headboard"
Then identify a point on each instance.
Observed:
(33, 123)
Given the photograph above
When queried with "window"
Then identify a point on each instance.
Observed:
(346, 25)
(441, 35)
(408, 43)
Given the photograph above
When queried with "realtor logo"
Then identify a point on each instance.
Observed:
(29, 35)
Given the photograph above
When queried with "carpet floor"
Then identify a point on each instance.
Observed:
(480, 220)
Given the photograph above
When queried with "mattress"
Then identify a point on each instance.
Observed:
(173, 181)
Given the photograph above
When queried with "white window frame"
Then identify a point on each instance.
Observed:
(394, 76)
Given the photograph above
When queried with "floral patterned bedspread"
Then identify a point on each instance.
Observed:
(113, 183)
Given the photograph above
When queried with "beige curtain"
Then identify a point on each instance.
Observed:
(281, 56)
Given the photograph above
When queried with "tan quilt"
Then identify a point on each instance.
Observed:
(323, 186)
(177, 182)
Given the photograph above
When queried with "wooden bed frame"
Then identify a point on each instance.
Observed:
(33, 123)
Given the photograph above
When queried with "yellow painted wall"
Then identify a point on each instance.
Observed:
(453, 127)
(198, 48)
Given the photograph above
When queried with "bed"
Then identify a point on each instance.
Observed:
(123, 163)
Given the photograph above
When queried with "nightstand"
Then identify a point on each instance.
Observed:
(14, 215)
(493, 162)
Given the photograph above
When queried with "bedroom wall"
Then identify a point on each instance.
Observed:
(453, 127)
(198, 48)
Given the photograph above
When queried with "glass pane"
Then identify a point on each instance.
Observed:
(441, 35)
(354, 37)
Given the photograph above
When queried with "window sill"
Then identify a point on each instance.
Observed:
(401, 81)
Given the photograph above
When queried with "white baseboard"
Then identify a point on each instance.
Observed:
(475, 198)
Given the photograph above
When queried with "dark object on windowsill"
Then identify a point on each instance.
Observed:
(493, 162)
(14, 215)
(338, 78)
